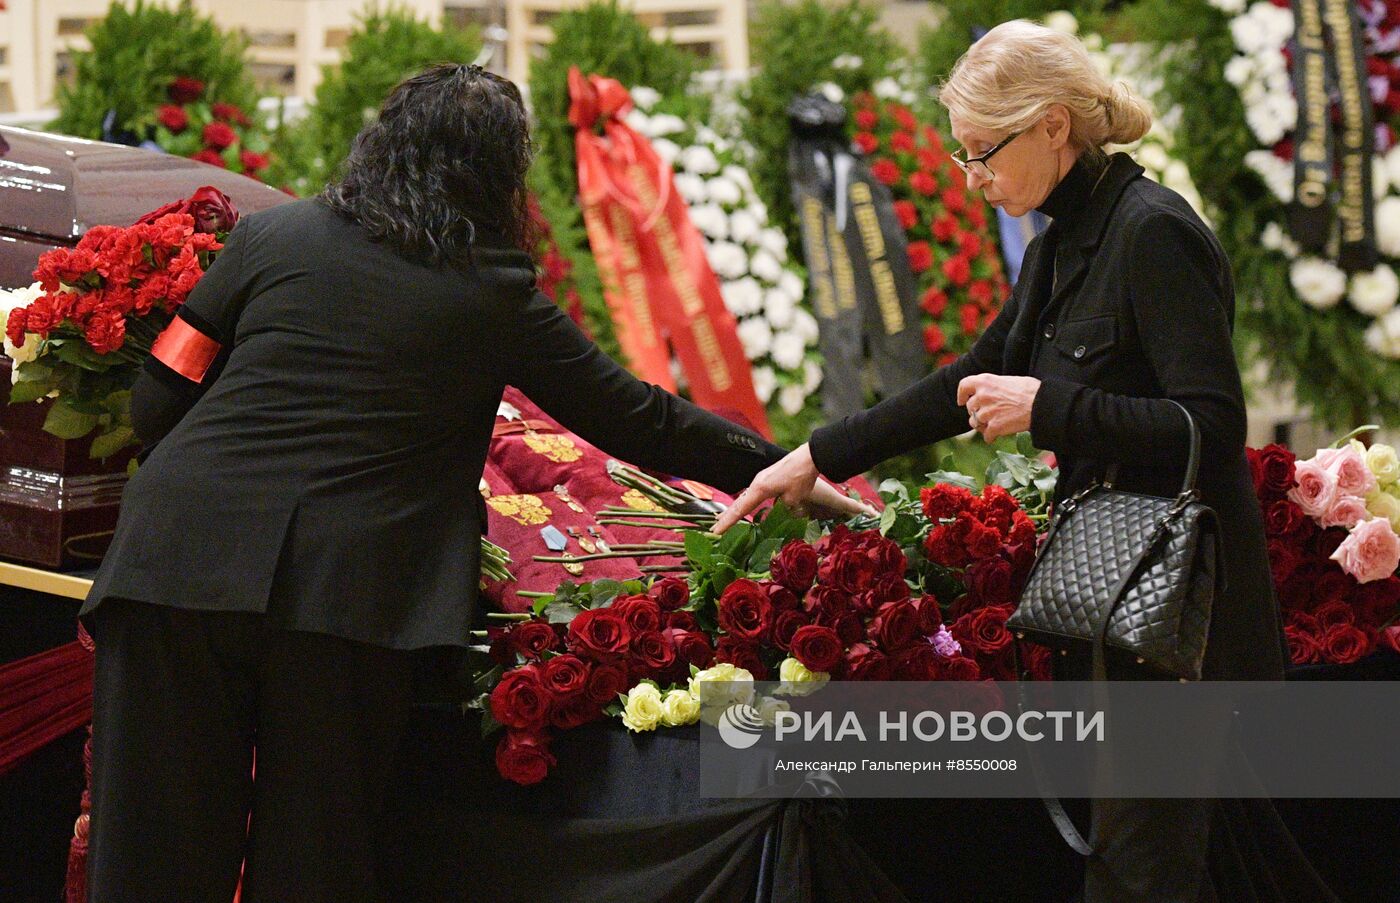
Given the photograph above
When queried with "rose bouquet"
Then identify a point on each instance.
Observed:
(1331, 523)
(217, 133)
(82, 331)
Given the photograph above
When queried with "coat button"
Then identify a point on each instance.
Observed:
(1079, 352)
(1049, 332)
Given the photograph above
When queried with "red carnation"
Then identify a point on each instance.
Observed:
(227, 112)
(944, 501)
(210, 157)
(565, 675)
(944, 228)
(520, 700)
(744, 610)
(955, 200)
(934, 302)
(904, 117)
(252, 162)
(971, 245)
(968, 318)
(920, 256)
(671, 593)
(934, 340)
(524, 757)
(958, 270)
(867, 142)
(907, 213)
(923, 183)
(105, 330)
(886, 171)
(819, 648)
(866, 119)
(173, 118)
(980, 291)
(185, 90)
(902, 142)
(218, 135)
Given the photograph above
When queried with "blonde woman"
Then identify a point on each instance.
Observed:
(1124, 305)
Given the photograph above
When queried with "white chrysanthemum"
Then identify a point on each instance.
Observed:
(691, 187)
(727, 259)
(847, 61)
(1277, 174)
(744, 227)
(792, 399)
(788, 350)
(723, 191)
(1239, 70)
(1374, 293)
(711, 220)
(806, 325)
(700, 160)
(887, 89)
(667, 150)
(1062, 21)
(1318, 282)
(1388, 226)
(791, 283)
(774, 242)
(639, 121)
(739, 176)
(765, 383)
(743, 297)
(756, 336)
(706, 135)
(766, 267)
(1383, 336)
(832, 92)
(666, 124)
(811, 376)
(645, 98)
(1273, 238)
(779, 307)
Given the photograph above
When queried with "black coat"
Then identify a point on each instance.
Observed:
(1141, 311)
(333, 464)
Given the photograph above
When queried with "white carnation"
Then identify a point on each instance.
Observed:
(1177, 177)
(1374, 293)
(1239, 70)
(1277, 174)
(744, 227)
(779, 307)
(791, 283)
(728, 259)
(832, 92)
(774, 241)
(765, 382)
(1062, 21)
(1383, 336)
(711, 220)
(788, 350)
(1388, 226)
(756, 336)
(847, 61)
(887, 89)
(667, 150)
(792, 399)
(639, 121)
(699, 160)
(1275, 239)
(723, 191)
(666, 124)
(691, 187)
(739, 176)
(1380, 179)
(766, 267)
(1318, 282)
(743, 297)
(806, 326)
(1392, 165)
(811, 376)
(645, 98)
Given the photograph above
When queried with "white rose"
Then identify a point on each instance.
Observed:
(1383, 504)
(766, 267)
(1238, 70)
(847, 61)
(645, 98)
(711, 219)
(1383, 462)
(744, 227)
(774, 242)
(1318, 282)
(768, 709)
(691, 187)
(728, 259)
(887, 89)
(788, 350)
(811, 376)
(643, 709)
(765, 382)
(722, 685)
(723, 191)
(679, 708)
(1375, 292)
(1062, 21)
(756, 336)
(792, 399)
(832, 92)
(699, 160)
(1392, 165)
(667, 150)
(743, 297)
(806, 326)
(666, 124)
(1388, 226)
(779, 308)
(798, 679)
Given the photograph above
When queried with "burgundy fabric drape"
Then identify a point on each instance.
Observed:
(42, 698)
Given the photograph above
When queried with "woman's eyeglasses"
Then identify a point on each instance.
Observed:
(977, 166)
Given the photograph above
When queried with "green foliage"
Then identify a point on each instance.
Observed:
(603, 39)
(1322, 352)
(794, 46)
(137, 51)
(745, 550)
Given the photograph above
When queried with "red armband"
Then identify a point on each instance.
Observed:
(185, 350)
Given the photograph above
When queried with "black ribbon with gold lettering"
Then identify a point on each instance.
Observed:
(1357, 137)
(1310, 214)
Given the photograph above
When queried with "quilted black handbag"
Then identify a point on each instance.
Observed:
(1127, 572)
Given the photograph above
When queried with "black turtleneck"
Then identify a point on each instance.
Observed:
(1071, 195)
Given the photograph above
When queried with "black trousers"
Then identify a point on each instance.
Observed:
(181, 701)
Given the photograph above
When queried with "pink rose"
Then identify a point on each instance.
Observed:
(1370, 552)
(1316, 489)
(1346, 511)
(1353, 476)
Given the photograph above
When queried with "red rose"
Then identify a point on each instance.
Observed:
(1284, 518)
(227, 112)
(906, 213)
(780, 597)
(1039, 661)
(1326, 542)
(1333, 612)
(520, 700)
(934, 340)
(1376, 601)
(1390, 638)
(599, 632)
(960, 667)
(884, 552)
(1272, 469)
(524, 757)
(826, 602)
(641, 613)
(1296, 591)
(866, 119)
(671, 593)
(210, 157)
(848, 626)
(565, 675)
(918, 662)
(886, 171)
(848, 570)
(795, 566)
(923, 183)
(605, 681)
(1343, 644)
(957, 270)
(252, 162)
(819, 648)
(741, 654)
(944, 228)
(1333, 585)
(934, 302)
(864, 662)
(895, 626)
(888, 587)
(867, 142)
(1283, 560)
(990, 580)
(787, 623)
(173, 118)
(185, 90)
(682, 620)
(575, 711)
(533, 638)
(920, 256)
(692, 647)
(930, 615)
(652, 651)
(744, 610)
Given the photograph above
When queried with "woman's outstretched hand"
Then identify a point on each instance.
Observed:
(795, 480)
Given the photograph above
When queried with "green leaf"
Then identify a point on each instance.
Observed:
(724, 574)
(887, 519)
(603, 592)
(699, 549)
(762, 557)
(1025, 446)
(29, 390)
(954, 478)
(489, 724)
(894, 491)
(814, 532)
(561, 612)
(540, 605)
(65, 423)
(111, 442)
(735, 543)
(80, 355)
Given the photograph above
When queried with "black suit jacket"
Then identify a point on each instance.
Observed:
(1124, 301)
(331, 468)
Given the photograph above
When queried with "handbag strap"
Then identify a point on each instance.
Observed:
(1193, 458)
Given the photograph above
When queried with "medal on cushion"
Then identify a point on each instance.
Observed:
(562, 492)
(584, 542)
(598, 538)
(553, 539)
